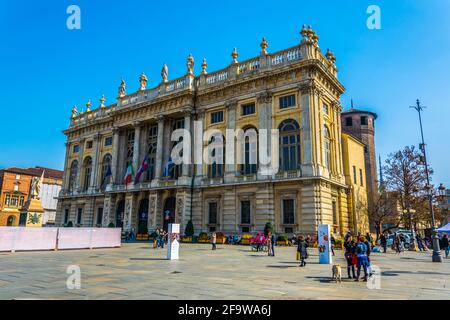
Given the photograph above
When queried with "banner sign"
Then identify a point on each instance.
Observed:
(324, 239)
(173, 245)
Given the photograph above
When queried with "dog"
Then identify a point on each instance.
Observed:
(337, 273)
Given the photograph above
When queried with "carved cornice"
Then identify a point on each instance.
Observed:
(264, 97)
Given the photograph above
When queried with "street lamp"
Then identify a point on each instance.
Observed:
(436, 250)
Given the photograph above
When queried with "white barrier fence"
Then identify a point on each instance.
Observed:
(33, 239)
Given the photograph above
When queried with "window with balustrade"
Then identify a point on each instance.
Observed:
(177, 170)
(152, 142)
(249, 149)
(73, 175)
(106, 168)
(87, 167)
(217, 156)
(130, 148)
(289, 131)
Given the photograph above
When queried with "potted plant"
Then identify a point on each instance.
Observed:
(203, 238)
(69, 225)
(142, 233)
(246, 239)
(111, 225)
(282, 240)
(221, 238)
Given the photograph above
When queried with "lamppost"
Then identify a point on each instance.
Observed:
(442, 198)
(436, 250)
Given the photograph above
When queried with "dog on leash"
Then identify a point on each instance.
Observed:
(337, 273)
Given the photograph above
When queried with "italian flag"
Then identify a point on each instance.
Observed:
(129, 174)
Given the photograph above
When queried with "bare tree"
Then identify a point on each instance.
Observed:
(405, 177)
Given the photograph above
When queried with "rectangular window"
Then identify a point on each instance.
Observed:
(217, 117)
(287, 101)
(248, 109)
(108, 141)
(89, 145)
(212, 213)
(17, 176)
(288, 211)
(16, 188)
(99, 216)
(325, 108)
(66, 216)
(79, 215)
(14, 201)
(364, 121)
(245, 212)
(21, 201)
(355, 181)
(7, 200)
(76, 148)
(288, 230)
(361, 177)
(366, 149)
(348, 122)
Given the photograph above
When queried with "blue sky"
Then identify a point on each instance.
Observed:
(46, 68)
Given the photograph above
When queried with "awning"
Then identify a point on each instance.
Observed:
(445, 228)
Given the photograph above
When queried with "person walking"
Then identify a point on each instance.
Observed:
(333, 244)
(363, 260)
(383, 242)
(302, 249)
(445, 245)
(349, 256)
(214, 240)
(420, 242)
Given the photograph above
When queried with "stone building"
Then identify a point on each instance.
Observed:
(295, 90)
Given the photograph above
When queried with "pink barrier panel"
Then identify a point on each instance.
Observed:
(82, 238)
(106, 238)
(27, 239)
(7, 235)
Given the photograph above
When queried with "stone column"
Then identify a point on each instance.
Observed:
(115, 155)
(230, 169)
(80, 163)
(137, 145)
(107, 216)
(95, 155)
(159, 149)
(130, 208)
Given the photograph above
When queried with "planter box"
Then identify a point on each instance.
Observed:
(142, 237)
(186, 239)
(221, 240)
(204, 241)
(245, 241)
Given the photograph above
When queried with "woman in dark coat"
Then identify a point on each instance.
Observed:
(349, 256)
(302, 250)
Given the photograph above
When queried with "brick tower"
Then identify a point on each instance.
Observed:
(361, 125)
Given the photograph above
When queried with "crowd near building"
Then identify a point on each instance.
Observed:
(118, 168)
(15, 184)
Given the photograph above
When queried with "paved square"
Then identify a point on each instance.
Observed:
(137, 271)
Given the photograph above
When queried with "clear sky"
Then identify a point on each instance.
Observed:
(46, 68)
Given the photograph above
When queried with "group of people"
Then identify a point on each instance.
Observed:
(161, 238)
(357, 254)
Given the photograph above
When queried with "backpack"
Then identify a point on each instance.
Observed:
(361, 248)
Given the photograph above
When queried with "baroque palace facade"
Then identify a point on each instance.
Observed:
(295, 90)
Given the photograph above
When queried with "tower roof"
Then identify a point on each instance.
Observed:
(355, 111)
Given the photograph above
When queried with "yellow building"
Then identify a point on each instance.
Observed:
(294, 91)
(355, 178)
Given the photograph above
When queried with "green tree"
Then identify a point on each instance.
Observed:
(189, 231)
(268, 228)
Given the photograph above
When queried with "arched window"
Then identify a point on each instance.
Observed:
(289, 145)
(326, 147)
(217, 156)
(250, 152)
(87, 166)
(73, 175)
(152, 141)
(106, 170)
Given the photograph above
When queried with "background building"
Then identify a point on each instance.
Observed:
(15, 186)
(361, 125)
(295, 90)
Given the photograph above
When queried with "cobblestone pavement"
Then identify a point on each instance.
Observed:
(137, 271)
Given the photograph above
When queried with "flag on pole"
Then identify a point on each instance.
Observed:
(129, 174)
(144, 167)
